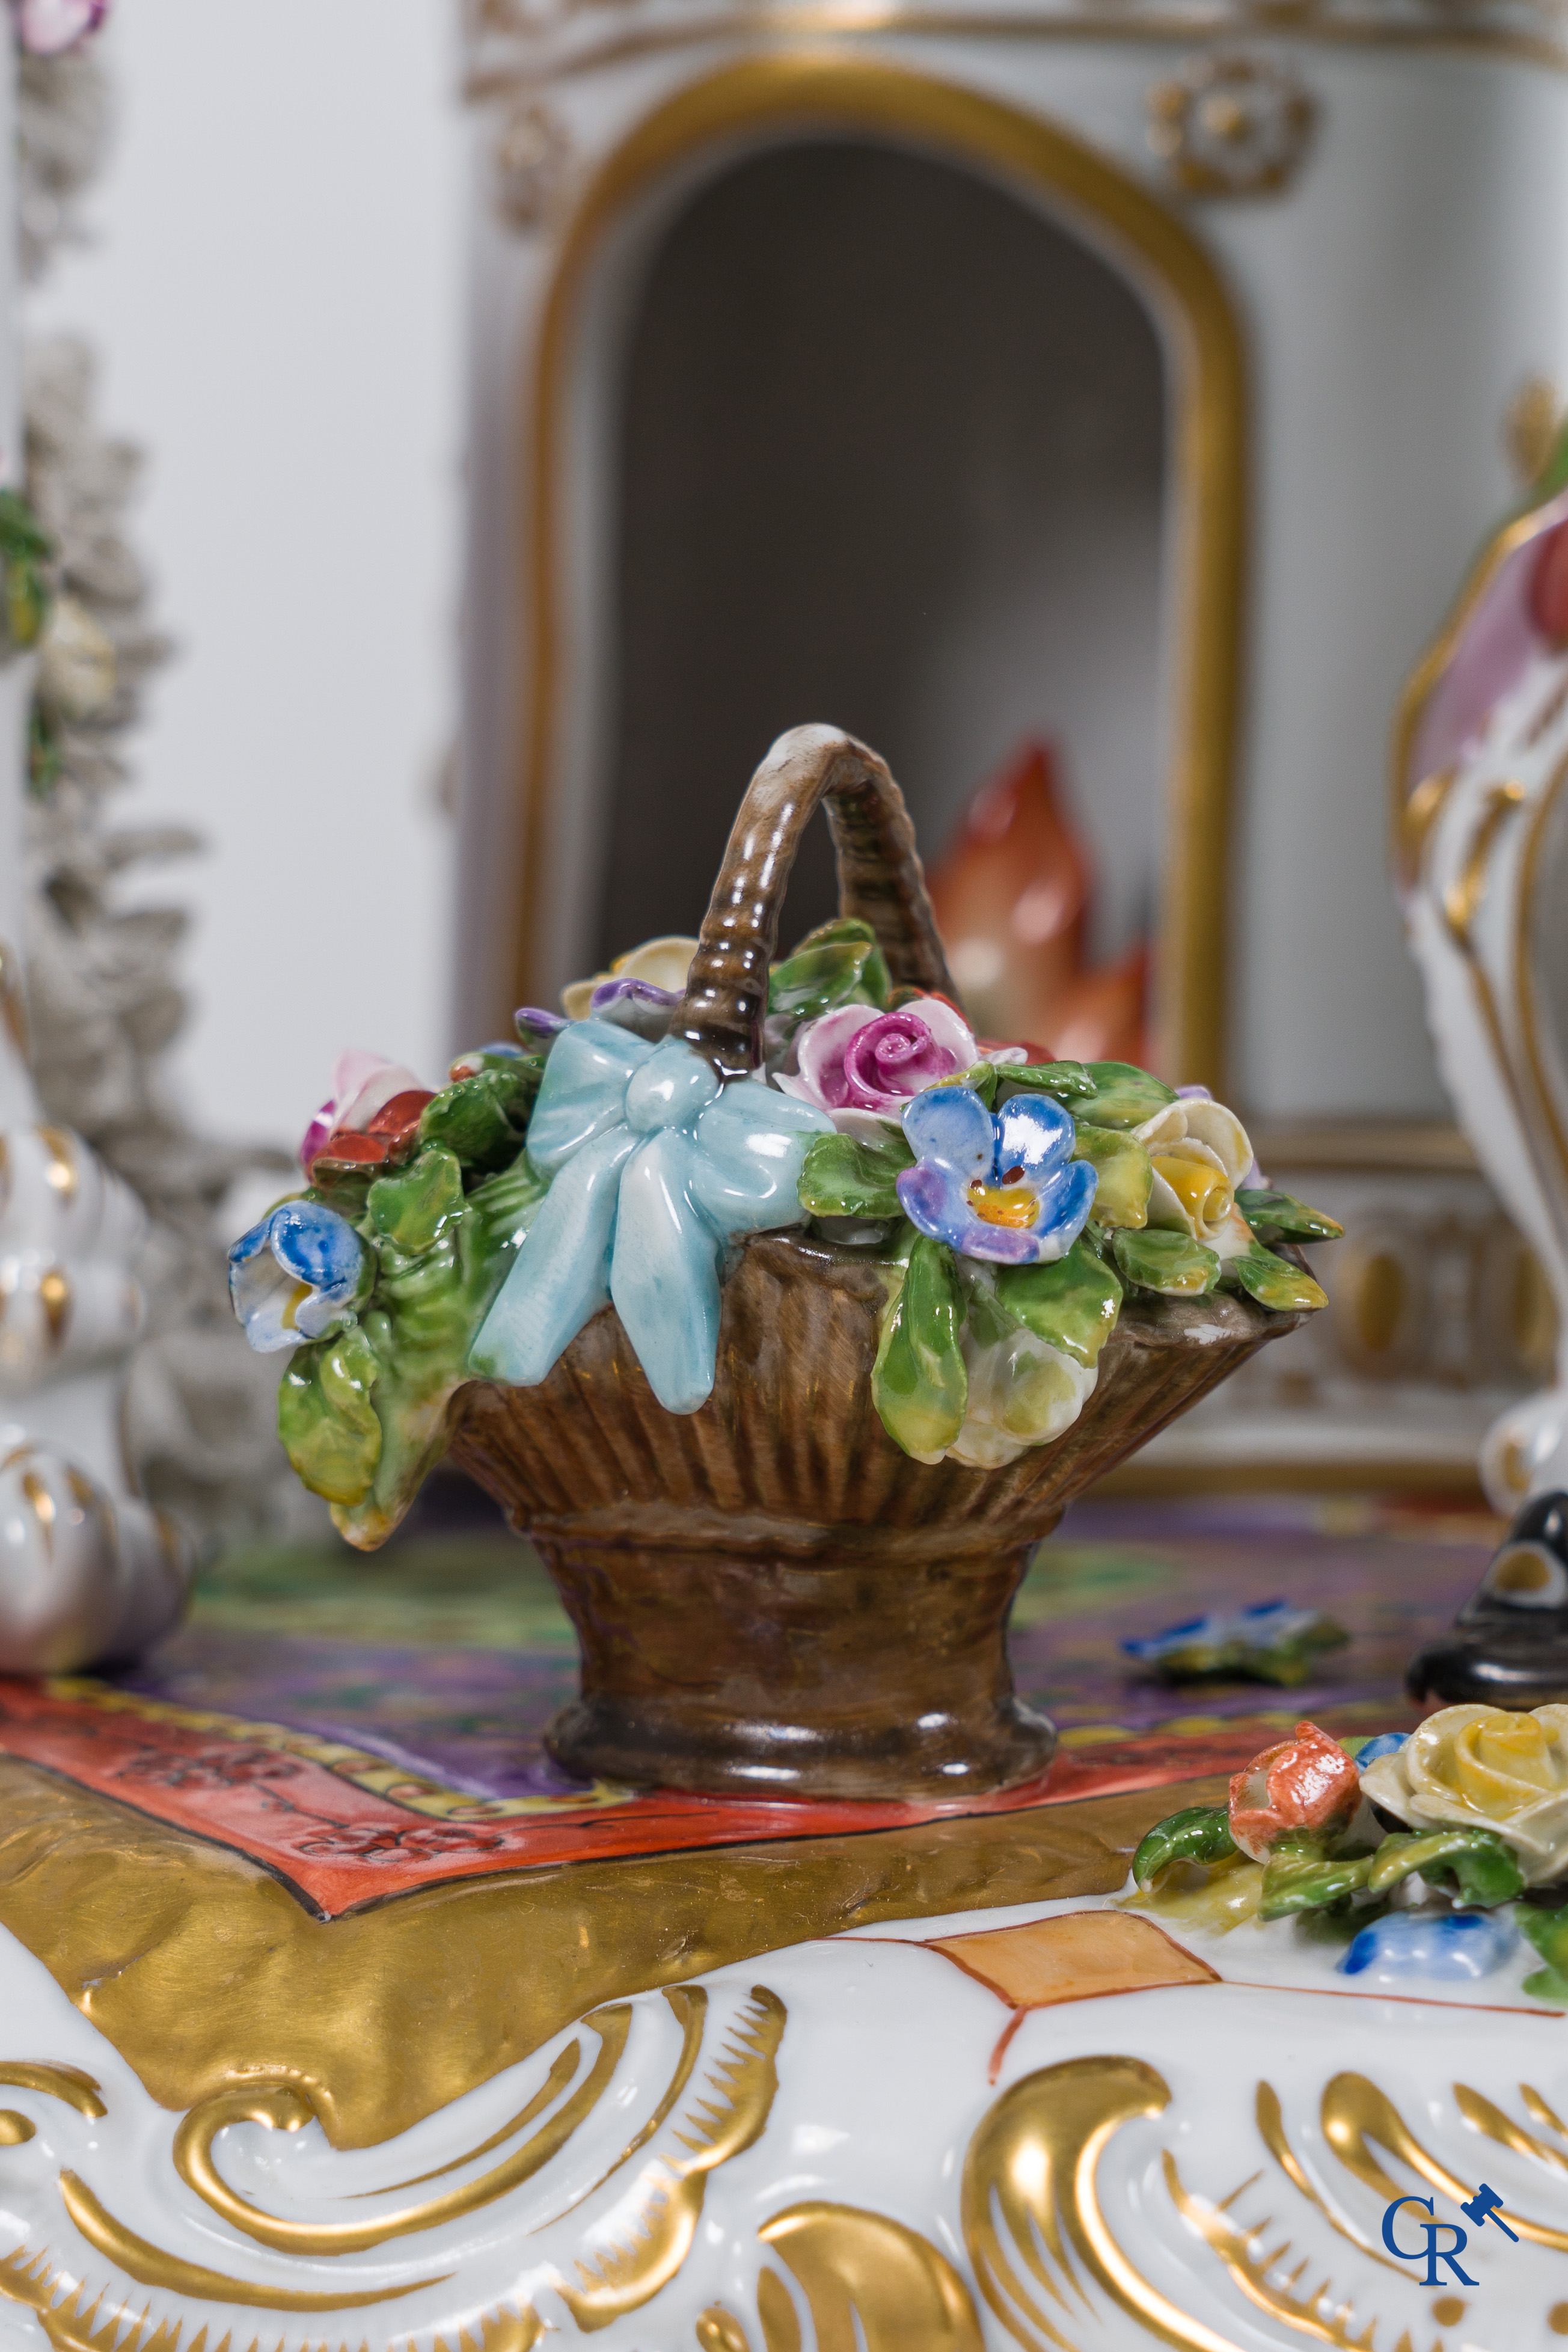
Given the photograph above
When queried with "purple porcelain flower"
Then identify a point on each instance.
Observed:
(636, 1004)
(1000, 1186)
(534, 1020)
(860, 1065)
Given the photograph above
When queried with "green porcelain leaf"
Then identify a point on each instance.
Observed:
(1069, 1081)
(1125, 1171)
(847, 1176)
(1122, 1095)
(1279, 1216)
(1160, 1259)
(410, 1209)
(325, 1417)
(1197, 1834)
(1299, 1876)
(1273, 1281)
(986, 1322)
(1548, 1931)
(497, 1217)
(1484, 1866)
(483, 1118)
(1071, 1304)
(344, 1189)
(980, 1078)
(838, 963)
(920, 1385)
(439, 1272)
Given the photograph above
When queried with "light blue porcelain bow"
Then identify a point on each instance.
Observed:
(654, 1165)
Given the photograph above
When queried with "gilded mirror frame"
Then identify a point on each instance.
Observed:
(1046, 167)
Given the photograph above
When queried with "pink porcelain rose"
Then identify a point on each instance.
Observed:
(861, 1067)
(363, 1084)
(1305, 1786)
(46, 28)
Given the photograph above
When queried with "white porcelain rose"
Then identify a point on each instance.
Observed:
(1200, 1152)
(1485, 1768)
(649, 978)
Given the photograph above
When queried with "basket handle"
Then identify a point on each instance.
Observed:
(879, 880)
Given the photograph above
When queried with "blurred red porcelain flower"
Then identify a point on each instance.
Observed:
(1306, 1786)
(370, 1116)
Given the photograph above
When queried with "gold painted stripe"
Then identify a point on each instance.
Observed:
(1481, 2116)
(1315, 2314)
(1355, 2113)
(554, 2083)
(689, 2003)
(1272, 2125)
(61, 1171)
(149, 2266)
(78, 2090)
(1462, 898)
(284, 2106)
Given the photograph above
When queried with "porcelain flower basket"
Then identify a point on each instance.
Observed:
(780, 1313)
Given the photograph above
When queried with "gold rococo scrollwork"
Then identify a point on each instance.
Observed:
(1037, 2235)
(513, 44)
(1041, 2249)
(714, 2115)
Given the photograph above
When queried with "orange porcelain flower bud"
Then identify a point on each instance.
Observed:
(1306, 1783)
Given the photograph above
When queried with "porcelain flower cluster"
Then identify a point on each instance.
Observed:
(1412, 1849)
(472, 1230)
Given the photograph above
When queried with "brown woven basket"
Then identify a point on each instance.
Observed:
(770, 1596)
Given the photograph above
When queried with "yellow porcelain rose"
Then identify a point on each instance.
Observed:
(1485, 1768)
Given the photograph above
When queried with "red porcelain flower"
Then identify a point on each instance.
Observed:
(371, 1118)
(1307, 1784)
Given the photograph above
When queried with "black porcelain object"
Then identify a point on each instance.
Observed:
(1510, 1643)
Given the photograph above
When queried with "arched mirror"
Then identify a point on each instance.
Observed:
(944, 532)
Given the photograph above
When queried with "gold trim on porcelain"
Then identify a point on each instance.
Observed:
(537, 65)
(153, 2267)
(766, 95)
(281, 2107)
(1036, 2231)
(1524, 966)
(1408, 823)
(209, 1977)
(1462, 898)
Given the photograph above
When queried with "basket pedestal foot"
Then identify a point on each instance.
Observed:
(847, 1670)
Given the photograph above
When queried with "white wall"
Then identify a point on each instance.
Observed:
(275, 286)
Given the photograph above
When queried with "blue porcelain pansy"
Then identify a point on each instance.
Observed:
(1443, 1947)
(297, 1273)
(999, 1185)
(654, 1166)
